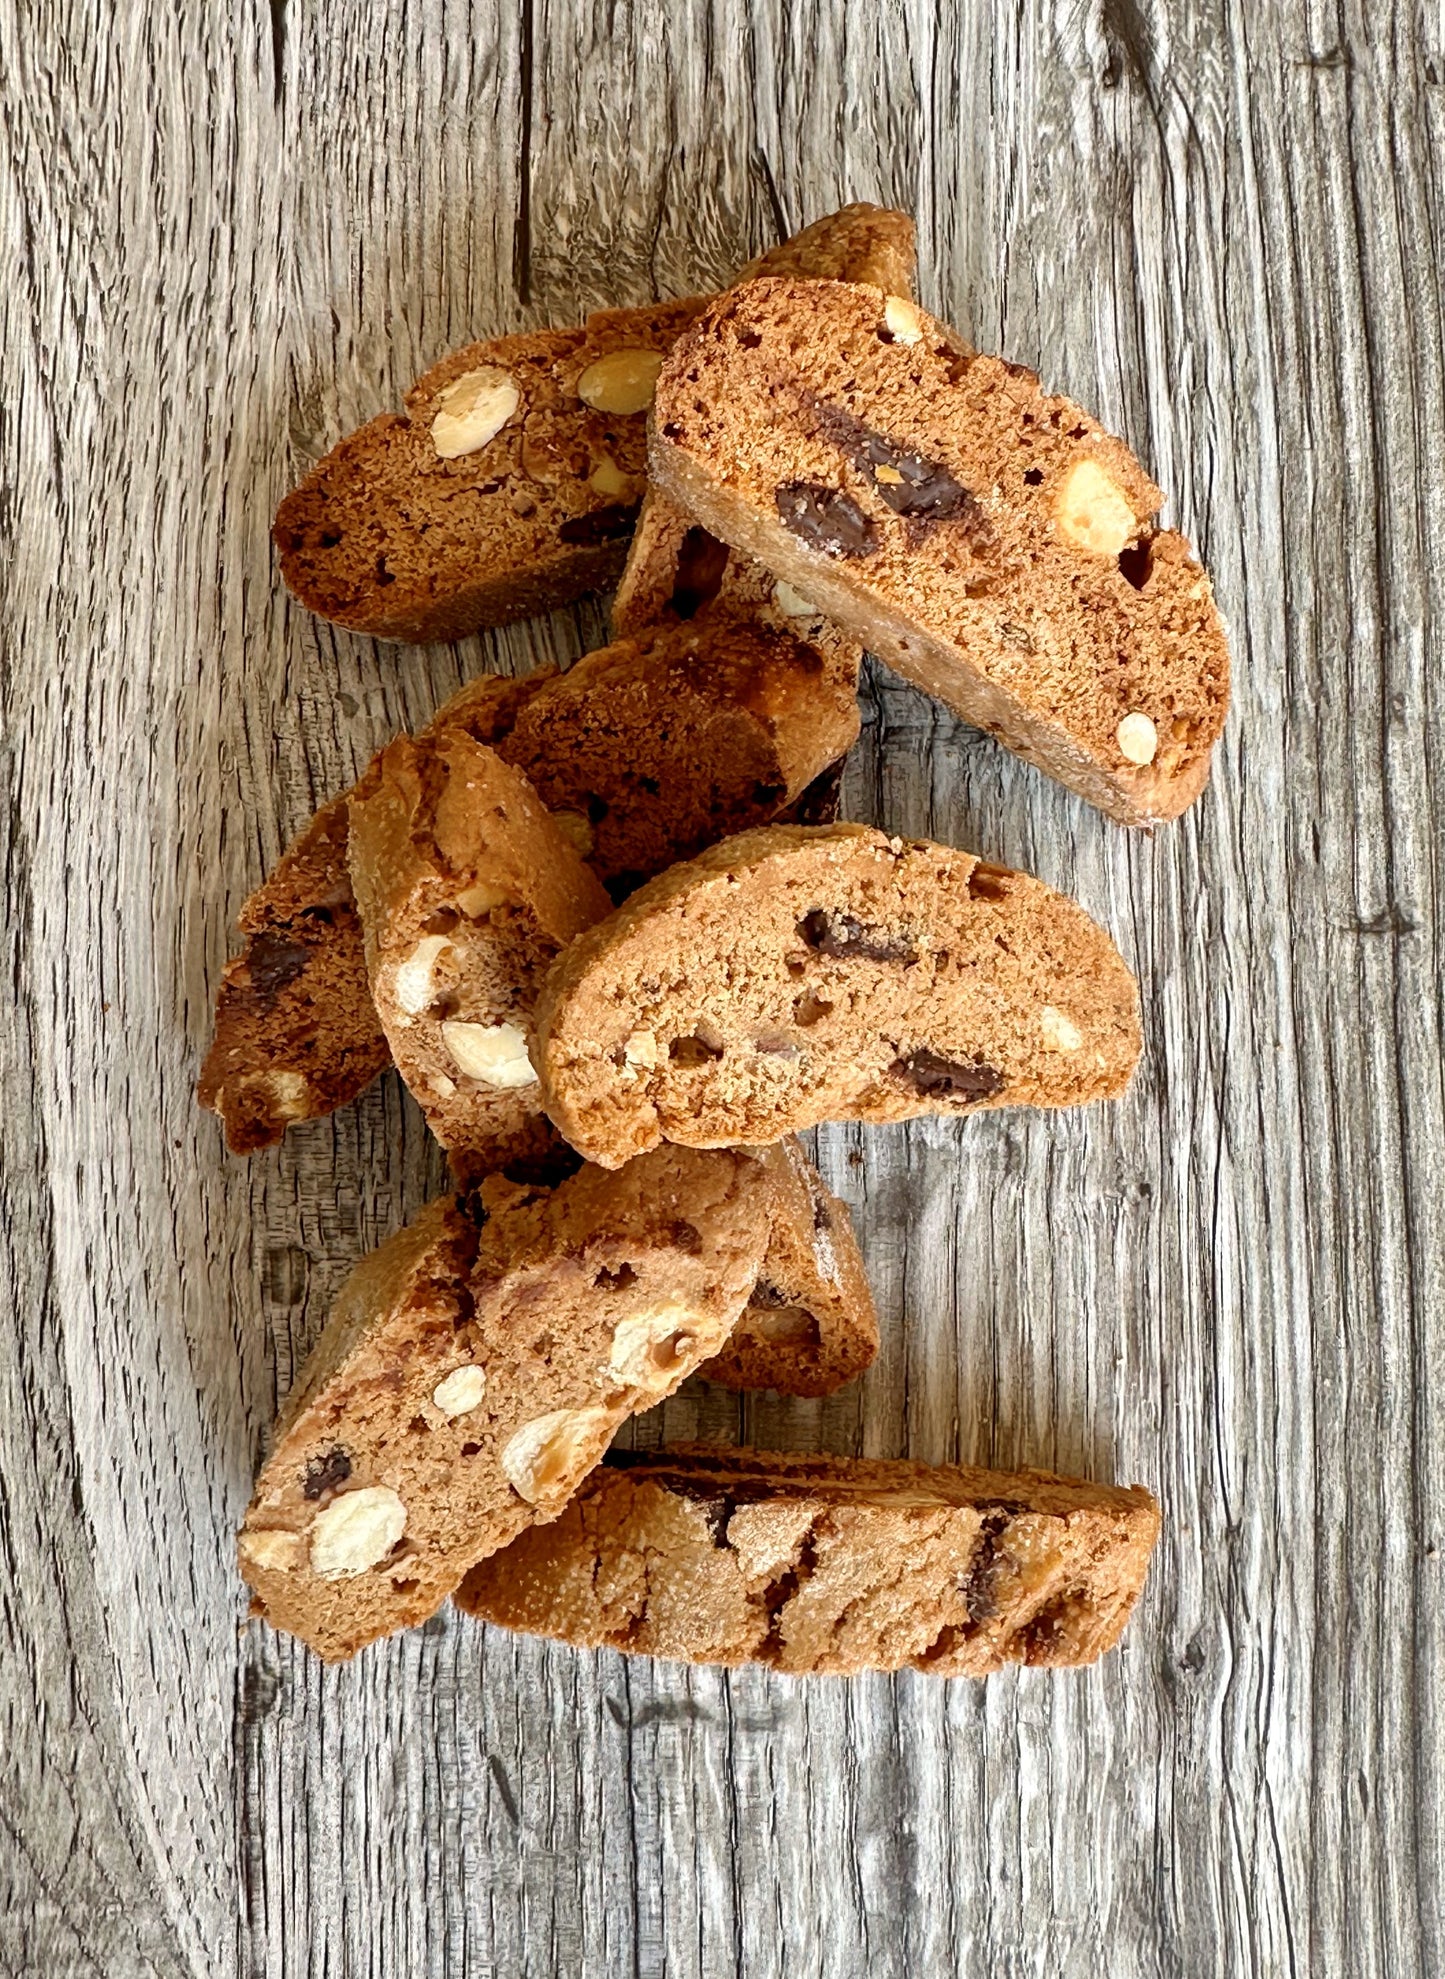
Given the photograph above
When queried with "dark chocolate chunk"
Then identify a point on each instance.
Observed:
(273, 961)
(826, 519)
(841, 936)
(323, 1474)
(1039, 1640)
(924, 487)
(985, 1569)
(941, 1078)
(910, 483)
(701, 562)
(600, 525)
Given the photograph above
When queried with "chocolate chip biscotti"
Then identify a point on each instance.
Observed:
(809, 1326)
(467, 887)
(991, 542)
(296, 1032)
(827, 1565)
(509, 485)
(789, 976)
(511, 481)
(666, 741)
(476, 1368)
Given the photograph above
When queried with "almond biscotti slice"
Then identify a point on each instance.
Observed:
(467, 887)
(988, 540)
(664, 742)
(809, 1326)
(508, 486)
(790, 976)
(827, 1565)
(476, 1368)
(296, 1032)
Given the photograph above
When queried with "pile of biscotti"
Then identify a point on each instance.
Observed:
(607, 927)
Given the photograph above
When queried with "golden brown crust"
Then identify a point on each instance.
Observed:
(927, 498)
(828, 1565)
(789, 976)
(476, 1367)
(858, 243)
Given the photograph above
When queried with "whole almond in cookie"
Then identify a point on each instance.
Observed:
(988, 540)
(790, 976)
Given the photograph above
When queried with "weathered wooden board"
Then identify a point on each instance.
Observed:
(227, 233)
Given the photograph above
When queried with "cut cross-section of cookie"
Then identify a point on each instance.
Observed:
(467, 888)
(476, 1368)
(991, 542)
(510, 484)
(660, 744)
(809, 1326)
(296, 1032)
(790, 976)
(818, 1565)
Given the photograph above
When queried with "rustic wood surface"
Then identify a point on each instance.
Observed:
(229, 232)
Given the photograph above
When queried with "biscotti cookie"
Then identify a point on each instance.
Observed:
(467, 887)
(662, 743)
(809, 1326)
(791, 976)
(828, 1565)
(510, 484)
(296, 1031)
(674, 568)
(476, 1368)
(989, 541)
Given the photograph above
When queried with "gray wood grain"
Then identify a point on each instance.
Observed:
(228, 233)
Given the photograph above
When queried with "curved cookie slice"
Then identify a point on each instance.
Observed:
(675, 569)
(791, 976)
(467, 887)
(988, 540)
(660, 744)
(828, 1565)
(475, 1369)
(809, 1326)
(296, 1032)
(508, 486)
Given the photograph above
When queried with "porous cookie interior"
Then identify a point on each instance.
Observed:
(825, 1564)
(949, 490)
(788, 977)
